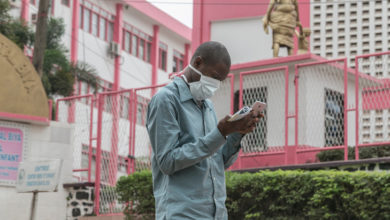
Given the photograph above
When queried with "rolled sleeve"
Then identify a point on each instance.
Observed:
(231, 149)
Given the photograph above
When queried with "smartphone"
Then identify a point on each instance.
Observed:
(258, 107)
(240, 114)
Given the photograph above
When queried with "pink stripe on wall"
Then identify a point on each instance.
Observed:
(161, 17)
(24, 14)
(187, 55)
(118, 29)
(75, 31)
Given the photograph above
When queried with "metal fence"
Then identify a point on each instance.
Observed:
(123, 145)
(223, 98)
(79, 111)
(372, 84)
(321, 103)
(313, 107)
(268, 139)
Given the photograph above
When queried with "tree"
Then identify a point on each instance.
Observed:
(40, 36)
(58, 74)
(14, 29)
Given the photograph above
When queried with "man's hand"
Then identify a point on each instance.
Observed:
(243, 126)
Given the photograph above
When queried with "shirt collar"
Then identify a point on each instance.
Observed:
(184, 91)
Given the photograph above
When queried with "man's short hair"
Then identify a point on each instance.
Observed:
(212, 52)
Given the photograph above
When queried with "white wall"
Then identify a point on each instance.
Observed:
(245, 39)
(53, 142)
(94, 51)
(174, 43)
(64, 12)
(135, 72)
(312, 85)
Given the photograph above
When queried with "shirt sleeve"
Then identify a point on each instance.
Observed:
(163, 128)
(231, 149)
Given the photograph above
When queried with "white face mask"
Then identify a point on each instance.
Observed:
(205, 87)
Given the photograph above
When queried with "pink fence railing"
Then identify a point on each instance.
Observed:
(123, 145)
(79, 111)
(314, 107)
(265, 145)
(372, 116)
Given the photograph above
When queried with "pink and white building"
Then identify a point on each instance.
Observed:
(131, 43)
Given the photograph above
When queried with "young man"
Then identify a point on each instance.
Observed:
(191, 149)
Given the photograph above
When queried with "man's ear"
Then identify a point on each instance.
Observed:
(198, 61)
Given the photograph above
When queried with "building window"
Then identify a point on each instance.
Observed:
(110, 31)
(66, 2)
(334, 118)
(102, 28)
(134, 42)
(141, 49)
(86, 19)
(137, 43)
(148, 51)
(255, 141)
(96, 21)
(162, 54)
(126, 42)
(178, 61)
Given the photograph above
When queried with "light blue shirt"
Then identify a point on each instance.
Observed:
(189, 157)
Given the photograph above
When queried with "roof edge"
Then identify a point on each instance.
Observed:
(161, 17)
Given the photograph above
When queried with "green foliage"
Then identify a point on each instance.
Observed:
(284, 194)
(14, 29)
(364, 153)
(136, 191)
(86, 73)
(58, 73)
(55, 31)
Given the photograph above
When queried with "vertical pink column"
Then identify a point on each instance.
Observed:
(98, 153)
(73, 53)
(197, 24)
(75, 31)
(118, 30)
(345, 110)
(154, 57)
(356, 108)
(187, 55)
(25, 10)
(118, 27)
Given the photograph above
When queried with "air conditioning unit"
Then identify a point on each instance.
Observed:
(114, 49)
(34, 18)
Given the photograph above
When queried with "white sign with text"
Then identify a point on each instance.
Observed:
(40, 176)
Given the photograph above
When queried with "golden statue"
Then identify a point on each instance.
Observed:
(283, 17)
(303, 43)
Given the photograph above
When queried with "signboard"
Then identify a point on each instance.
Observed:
(12, 151)
(38, 176)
